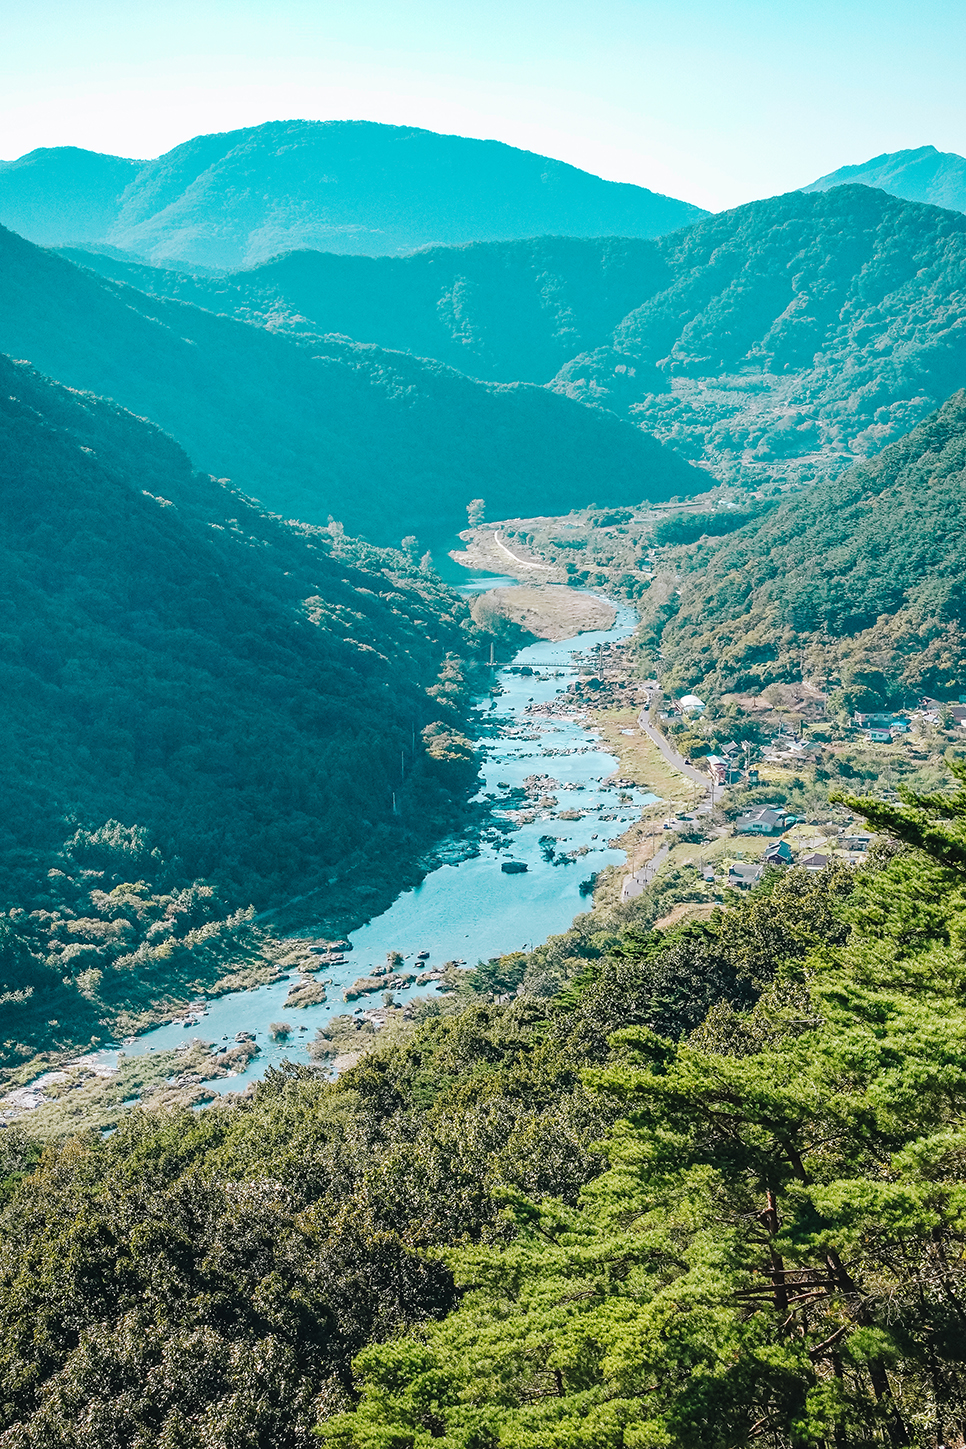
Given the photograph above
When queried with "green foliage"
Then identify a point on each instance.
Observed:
(864, 568)
(689, 527)
(173, 658)
(100, 946)
(207, 1279)
(316, 425)
(801, 332)
(776, 1246)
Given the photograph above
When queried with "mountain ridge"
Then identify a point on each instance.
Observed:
(776, 343)
(924, 174)
(359, 187)
(321, 426)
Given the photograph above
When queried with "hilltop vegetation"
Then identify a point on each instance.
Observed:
(357, 187)
(389, 445)
(60, 194)
(793, 335)
(769, 1238)
(860, 576)
(175, 659)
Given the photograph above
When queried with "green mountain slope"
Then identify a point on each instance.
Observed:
(796, 335)
(174, 658)
(62, 194)
(350, 187)
(783, 340)
(858, 576)
(503, 311)
(923, 174)
(388, 444)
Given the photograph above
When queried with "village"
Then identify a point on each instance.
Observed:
(745, 782)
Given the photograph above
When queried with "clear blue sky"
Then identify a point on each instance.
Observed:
(715, 101)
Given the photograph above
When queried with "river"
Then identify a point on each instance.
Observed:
(468, 910)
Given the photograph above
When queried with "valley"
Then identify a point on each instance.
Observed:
(482, 802)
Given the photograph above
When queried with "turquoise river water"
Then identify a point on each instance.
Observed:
(469, 910)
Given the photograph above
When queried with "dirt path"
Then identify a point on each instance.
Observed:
(528, 563)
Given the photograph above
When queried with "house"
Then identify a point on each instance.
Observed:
(815, 861)
(717, 768)
(879, 736)
(877, 720)
(778, 853)
(751, 776)
(857, 840)
(744, 876)
(766, 821)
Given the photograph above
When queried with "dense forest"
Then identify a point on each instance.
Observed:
(858, 576)
(692, 1187)
(388, 444)
(357, 187)
(502, 311)
(782, 340)
(252, 694)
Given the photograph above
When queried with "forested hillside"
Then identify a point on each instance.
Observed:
(696, 1187)
(794, 334)
(388, 444)
(502, 311)
(355, 187)
(860, 576)
(175, 659)
(60, 194)
(780, 341)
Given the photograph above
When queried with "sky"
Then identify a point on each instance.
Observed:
(715, 101)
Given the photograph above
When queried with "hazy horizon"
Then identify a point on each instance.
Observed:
(714, 108)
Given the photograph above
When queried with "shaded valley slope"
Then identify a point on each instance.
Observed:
(781, 341)
(319, 427)
(174, 658)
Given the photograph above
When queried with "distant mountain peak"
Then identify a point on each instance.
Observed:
(923, 173)
(238, 197)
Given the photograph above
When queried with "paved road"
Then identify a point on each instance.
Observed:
(672, 757)
(634, 884)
